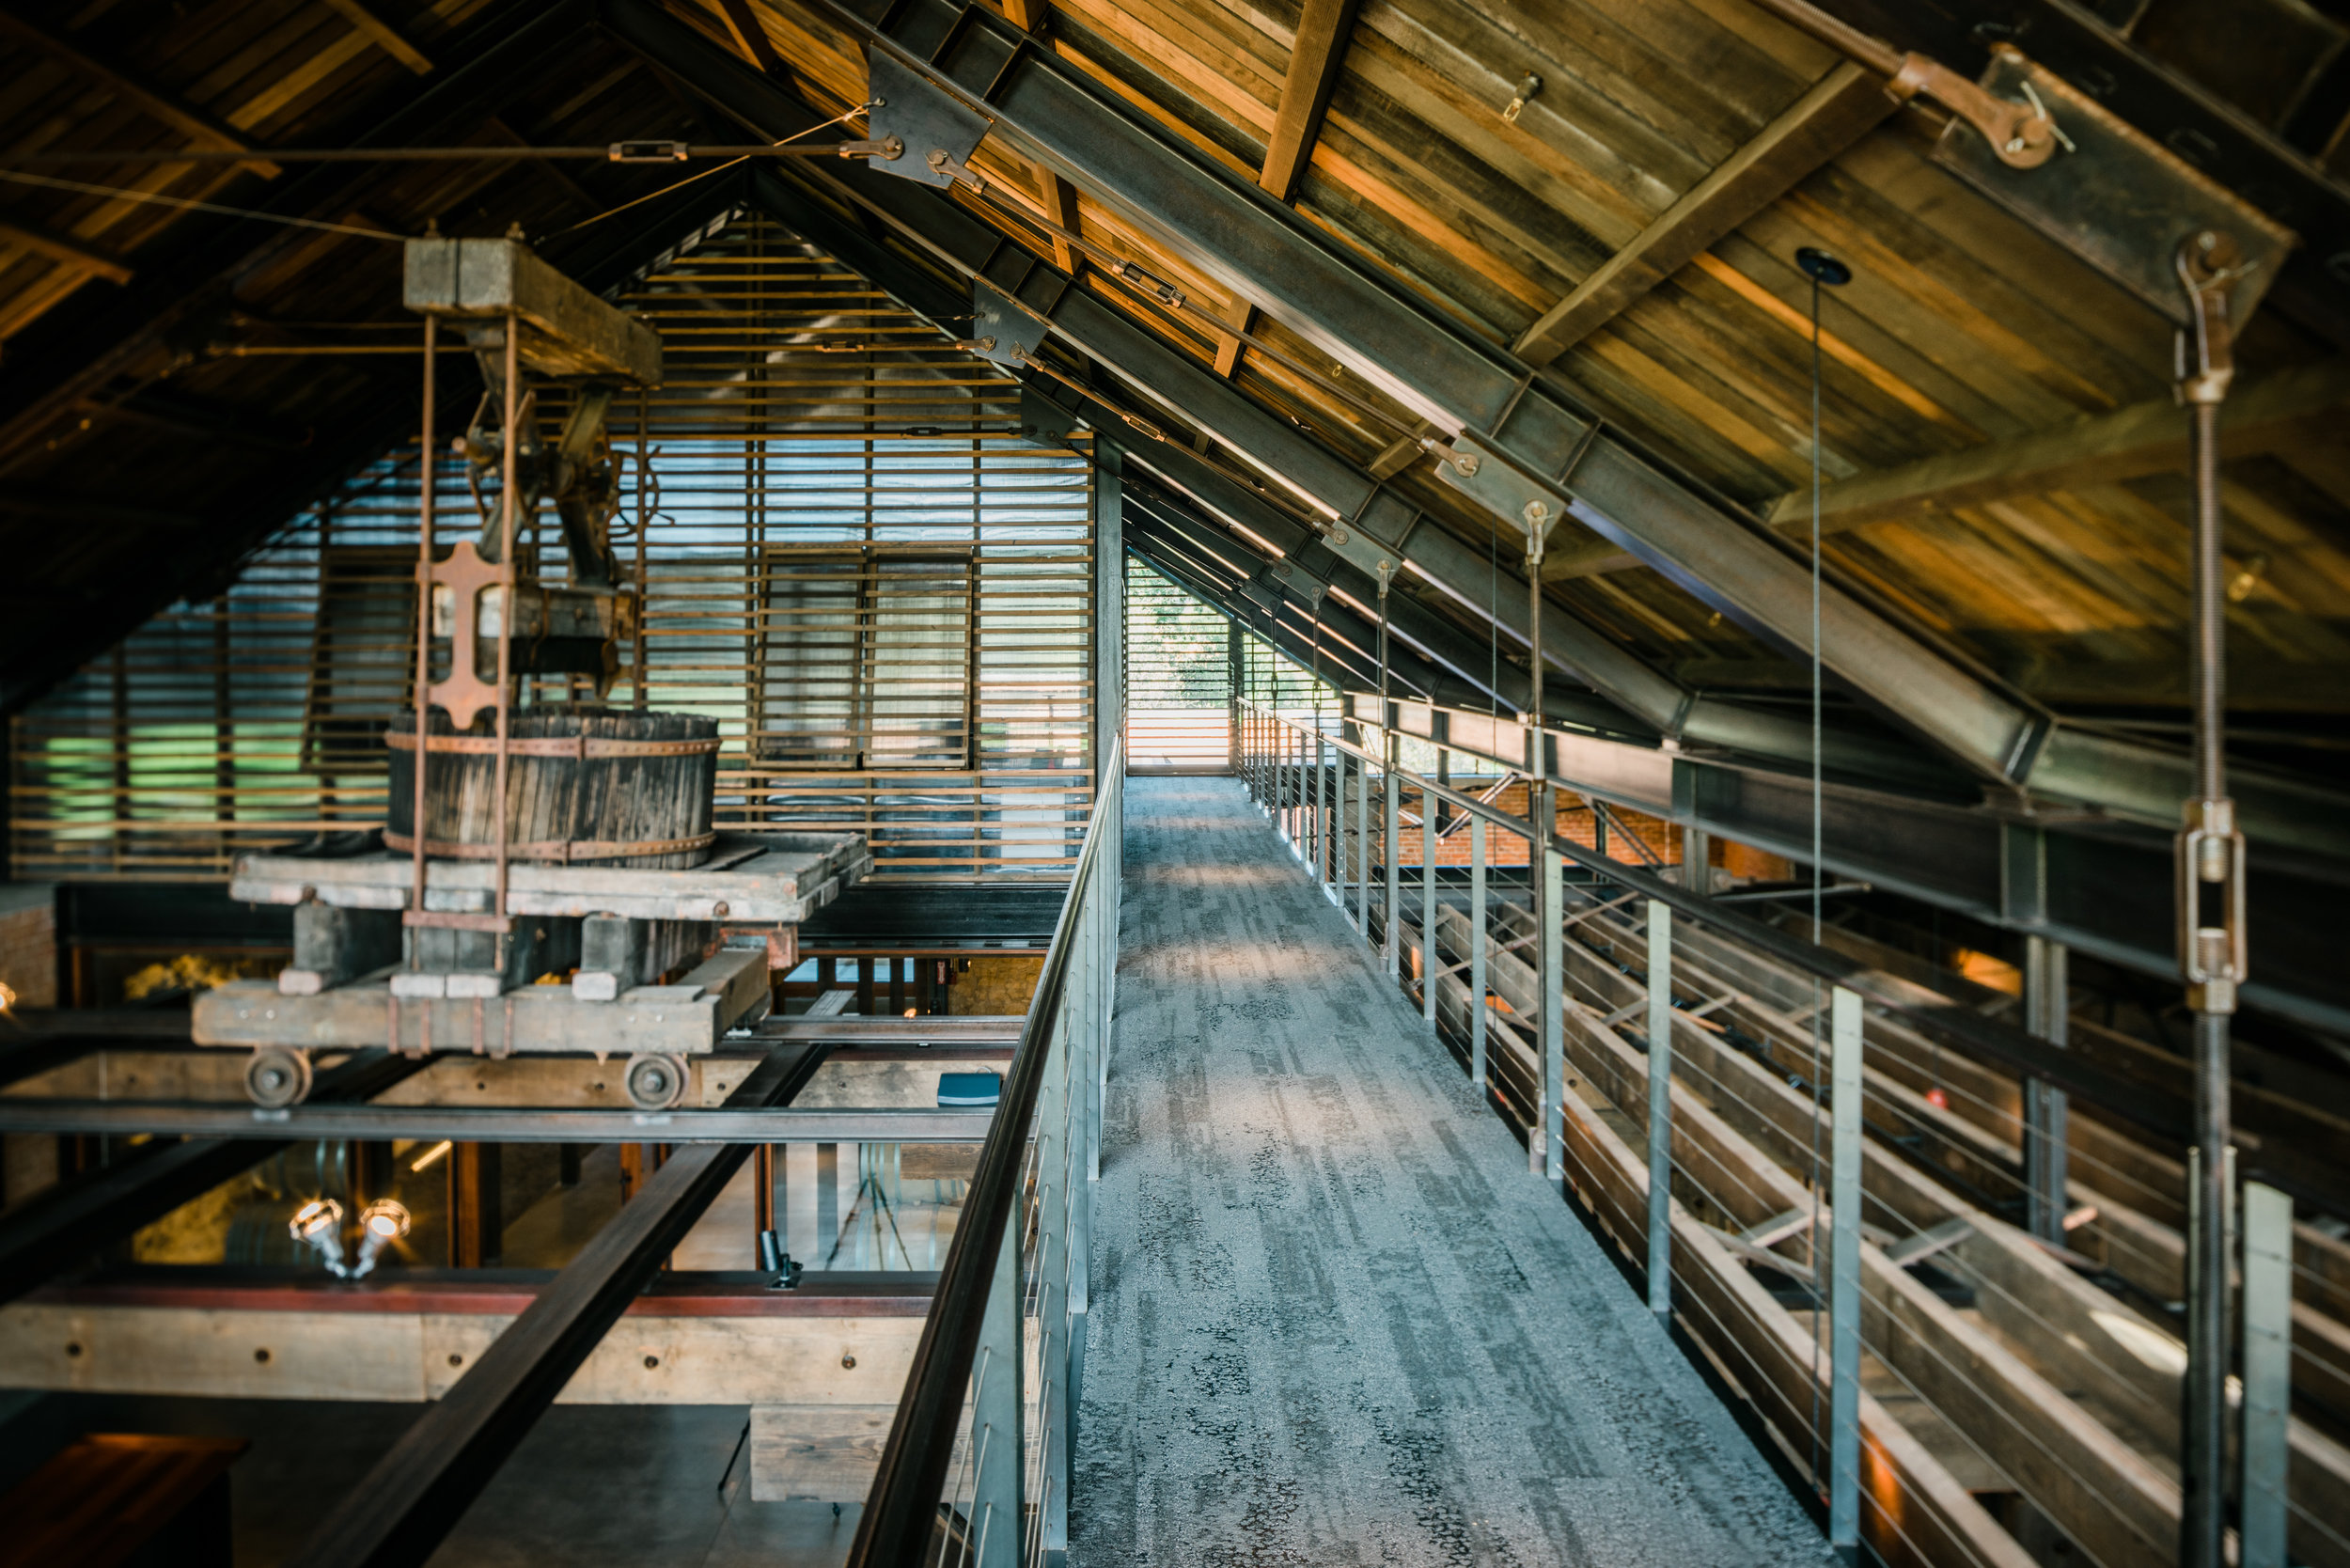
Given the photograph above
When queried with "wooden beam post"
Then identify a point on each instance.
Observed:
(1315, 57)
(476, 1222)
(752, 39)
(2144, 438)
(66, 250)
(384, 36)
(1846, 104)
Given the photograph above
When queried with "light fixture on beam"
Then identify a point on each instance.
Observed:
(381, 1223)
(318, 1225)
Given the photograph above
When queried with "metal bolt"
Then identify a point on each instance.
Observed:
(1466, 465)
(454, 1360)
(848, 1361)
(1536, 513)
(651, 1361)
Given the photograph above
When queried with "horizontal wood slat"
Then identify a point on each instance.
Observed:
(882, 593)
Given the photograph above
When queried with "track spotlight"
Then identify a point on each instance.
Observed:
(318, 1224)
(381, 1223)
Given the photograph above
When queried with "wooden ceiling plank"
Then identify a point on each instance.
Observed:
(384, 36)
(2145, 438)
(66, 251)
(189, 120)
(1844, 105)
(1315, 60)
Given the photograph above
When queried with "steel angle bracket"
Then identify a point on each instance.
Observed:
(1003, 331)
(1477, 469)
(938, 131)
(2113, 196)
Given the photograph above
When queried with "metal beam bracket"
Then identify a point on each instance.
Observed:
(940, 130)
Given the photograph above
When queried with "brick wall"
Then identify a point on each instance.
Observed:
(28, 942)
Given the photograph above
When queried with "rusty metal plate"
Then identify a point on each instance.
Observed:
(2118, 199)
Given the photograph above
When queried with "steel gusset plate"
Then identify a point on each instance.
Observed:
(2117, 198)
(1000, 330)
(905, 105)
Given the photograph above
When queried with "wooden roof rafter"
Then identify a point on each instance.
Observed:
(198, 125)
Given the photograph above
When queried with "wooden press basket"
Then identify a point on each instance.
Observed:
(583, 786)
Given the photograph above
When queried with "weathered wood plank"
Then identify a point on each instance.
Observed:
(409, 1356)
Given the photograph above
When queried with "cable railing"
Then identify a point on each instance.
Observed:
(975, 1468)
(1753, 1118)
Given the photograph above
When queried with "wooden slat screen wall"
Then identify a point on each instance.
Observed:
(1178, 678)
(854, 564)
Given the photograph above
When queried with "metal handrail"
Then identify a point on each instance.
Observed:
(901, 1510)
(1960, 1027)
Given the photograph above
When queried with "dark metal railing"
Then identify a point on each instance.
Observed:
(975, 1468)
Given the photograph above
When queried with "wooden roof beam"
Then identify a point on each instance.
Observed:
(186, 118)
(384, 36)
(1844, 105)
(752, 39)
(66, 251)
(2145, 438)
(1315, 58)
(1238, 311)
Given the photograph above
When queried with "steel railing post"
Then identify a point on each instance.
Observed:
(2266, 1312)
(1843, 1294)
(1054, 1162)
(999, 1452)
(1551, 1122)
(1362, 849)
(2045, 1134)
(1476, 952)
(1427, 906)
(1660, 1107)
(1391, 931)
(1323, 818)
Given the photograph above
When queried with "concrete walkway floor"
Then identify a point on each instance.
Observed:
(1335, 1321)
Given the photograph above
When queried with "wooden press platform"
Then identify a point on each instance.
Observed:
(750, 879)
(770, 881)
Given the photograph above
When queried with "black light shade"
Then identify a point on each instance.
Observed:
(1821, 267)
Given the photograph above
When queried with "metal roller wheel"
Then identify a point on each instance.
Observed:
(656, 1082)
(277, 1077)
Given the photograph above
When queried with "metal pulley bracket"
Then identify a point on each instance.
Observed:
(2118, 199)
(906, 107)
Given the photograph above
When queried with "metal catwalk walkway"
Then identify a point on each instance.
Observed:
(1335, 1321)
